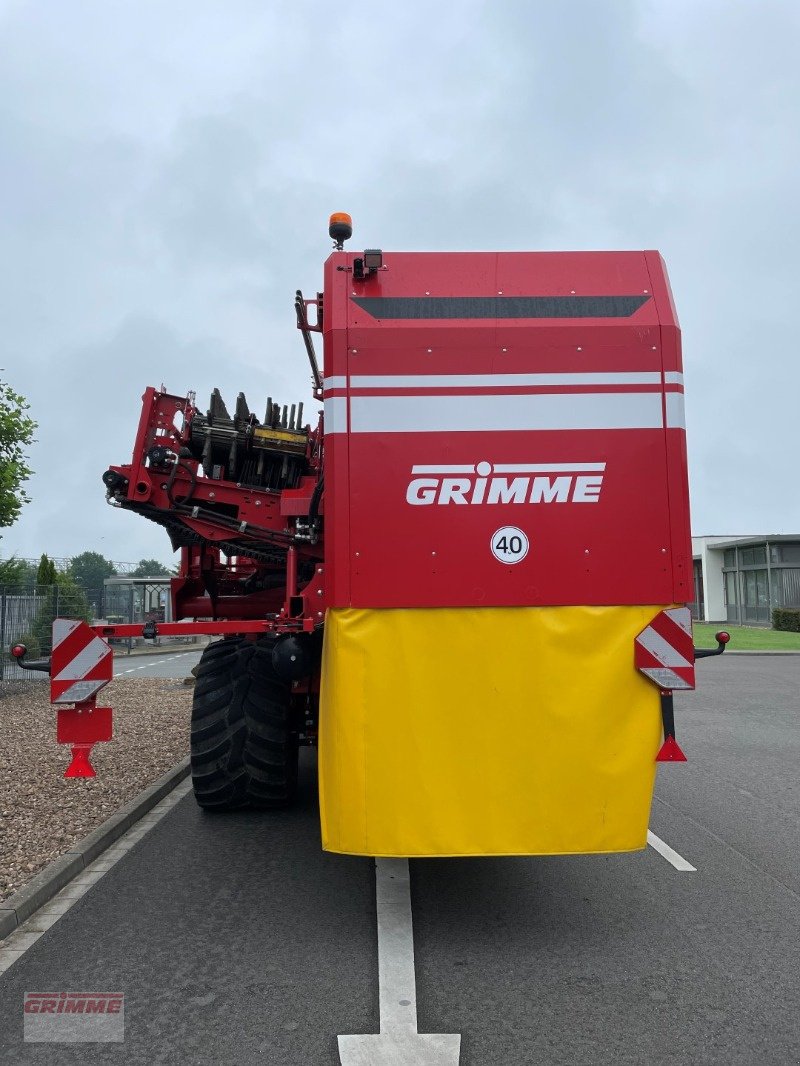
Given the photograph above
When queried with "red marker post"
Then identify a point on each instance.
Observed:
(664, 653)
(82, 663)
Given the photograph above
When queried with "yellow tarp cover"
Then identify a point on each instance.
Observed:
(486, 731)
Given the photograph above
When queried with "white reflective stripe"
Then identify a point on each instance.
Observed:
(335, 383)
(436, 414)
(80, 691)
(673, 377)
(467, 381)
(336, 414)
(664, 677)
(661, 649)
(676, 416)
(85, 661)
(682, 617)
(62, 627)
(545, 468)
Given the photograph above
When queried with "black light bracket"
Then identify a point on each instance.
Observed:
(670, 751)
(722, 641)
(368, 264)
(19, 651)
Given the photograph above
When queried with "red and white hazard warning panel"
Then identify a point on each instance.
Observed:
(505, 429)
(82, 663)
(664, 650)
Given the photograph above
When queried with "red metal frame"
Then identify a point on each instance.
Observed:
(199, 628)
(217, 513)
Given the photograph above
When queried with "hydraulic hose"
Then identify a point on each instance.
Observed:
(316, 496)
(193, 482)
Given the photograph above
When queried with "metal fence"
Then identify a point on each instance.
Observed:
(26, 617)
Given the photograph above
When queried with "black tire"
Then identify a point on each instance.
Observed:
(243, 738)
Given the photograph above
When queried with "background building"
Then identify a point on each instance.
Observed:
(137, 599)
(740, 579)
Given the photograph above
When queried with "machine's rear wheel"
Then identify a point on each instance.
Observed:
(243, 738)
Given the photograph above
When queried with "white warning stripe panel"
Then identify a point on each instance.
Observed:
(62, 627)
(80, 691)
(335, 414)
(469, 381)
(496, 413)
(661, 649)
(673, 377)
(682, 617)
(665, 678)
(86, 660)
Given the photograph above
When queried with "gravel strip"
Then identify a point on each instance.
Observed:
(42, 814)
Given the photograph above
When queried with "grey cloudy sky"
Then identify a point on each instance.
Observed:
(167, 168)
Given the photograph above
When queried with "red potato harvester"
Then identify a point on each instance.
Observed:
(466, 578)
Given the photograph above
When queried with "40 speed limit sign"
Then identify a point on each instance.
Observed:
(509, 544)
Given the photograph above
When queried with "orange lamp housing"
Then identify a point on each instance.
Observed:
(340, 228)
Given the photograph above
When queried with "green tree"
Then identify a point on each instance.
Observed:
(90, 569)
(58, 596)
(16, 573)
(46, 573)
(150, 568)
(72, 600)
(16, 436)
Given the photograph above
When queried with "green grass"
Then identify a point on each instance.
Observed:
(746, 638)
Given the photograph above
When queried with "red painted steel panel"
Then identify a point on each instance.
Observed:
(337, 452)
(466, 393)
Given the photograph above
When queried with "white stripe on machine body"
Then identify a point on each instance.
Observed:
(497, 413)
(335, 414)
(335, 382)
(473, 381)
(676, 416)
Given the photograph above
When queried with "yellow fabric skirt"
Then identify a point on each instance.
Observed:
(486, 731)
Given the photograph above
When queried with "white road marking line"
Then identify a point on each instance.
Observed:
(17, 943)
(158, 662)
(396, 977)
(666, 852)
(398, 1042)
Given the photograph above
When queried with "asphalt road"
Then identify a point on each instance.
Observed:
(237, 941)
(167, 664)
